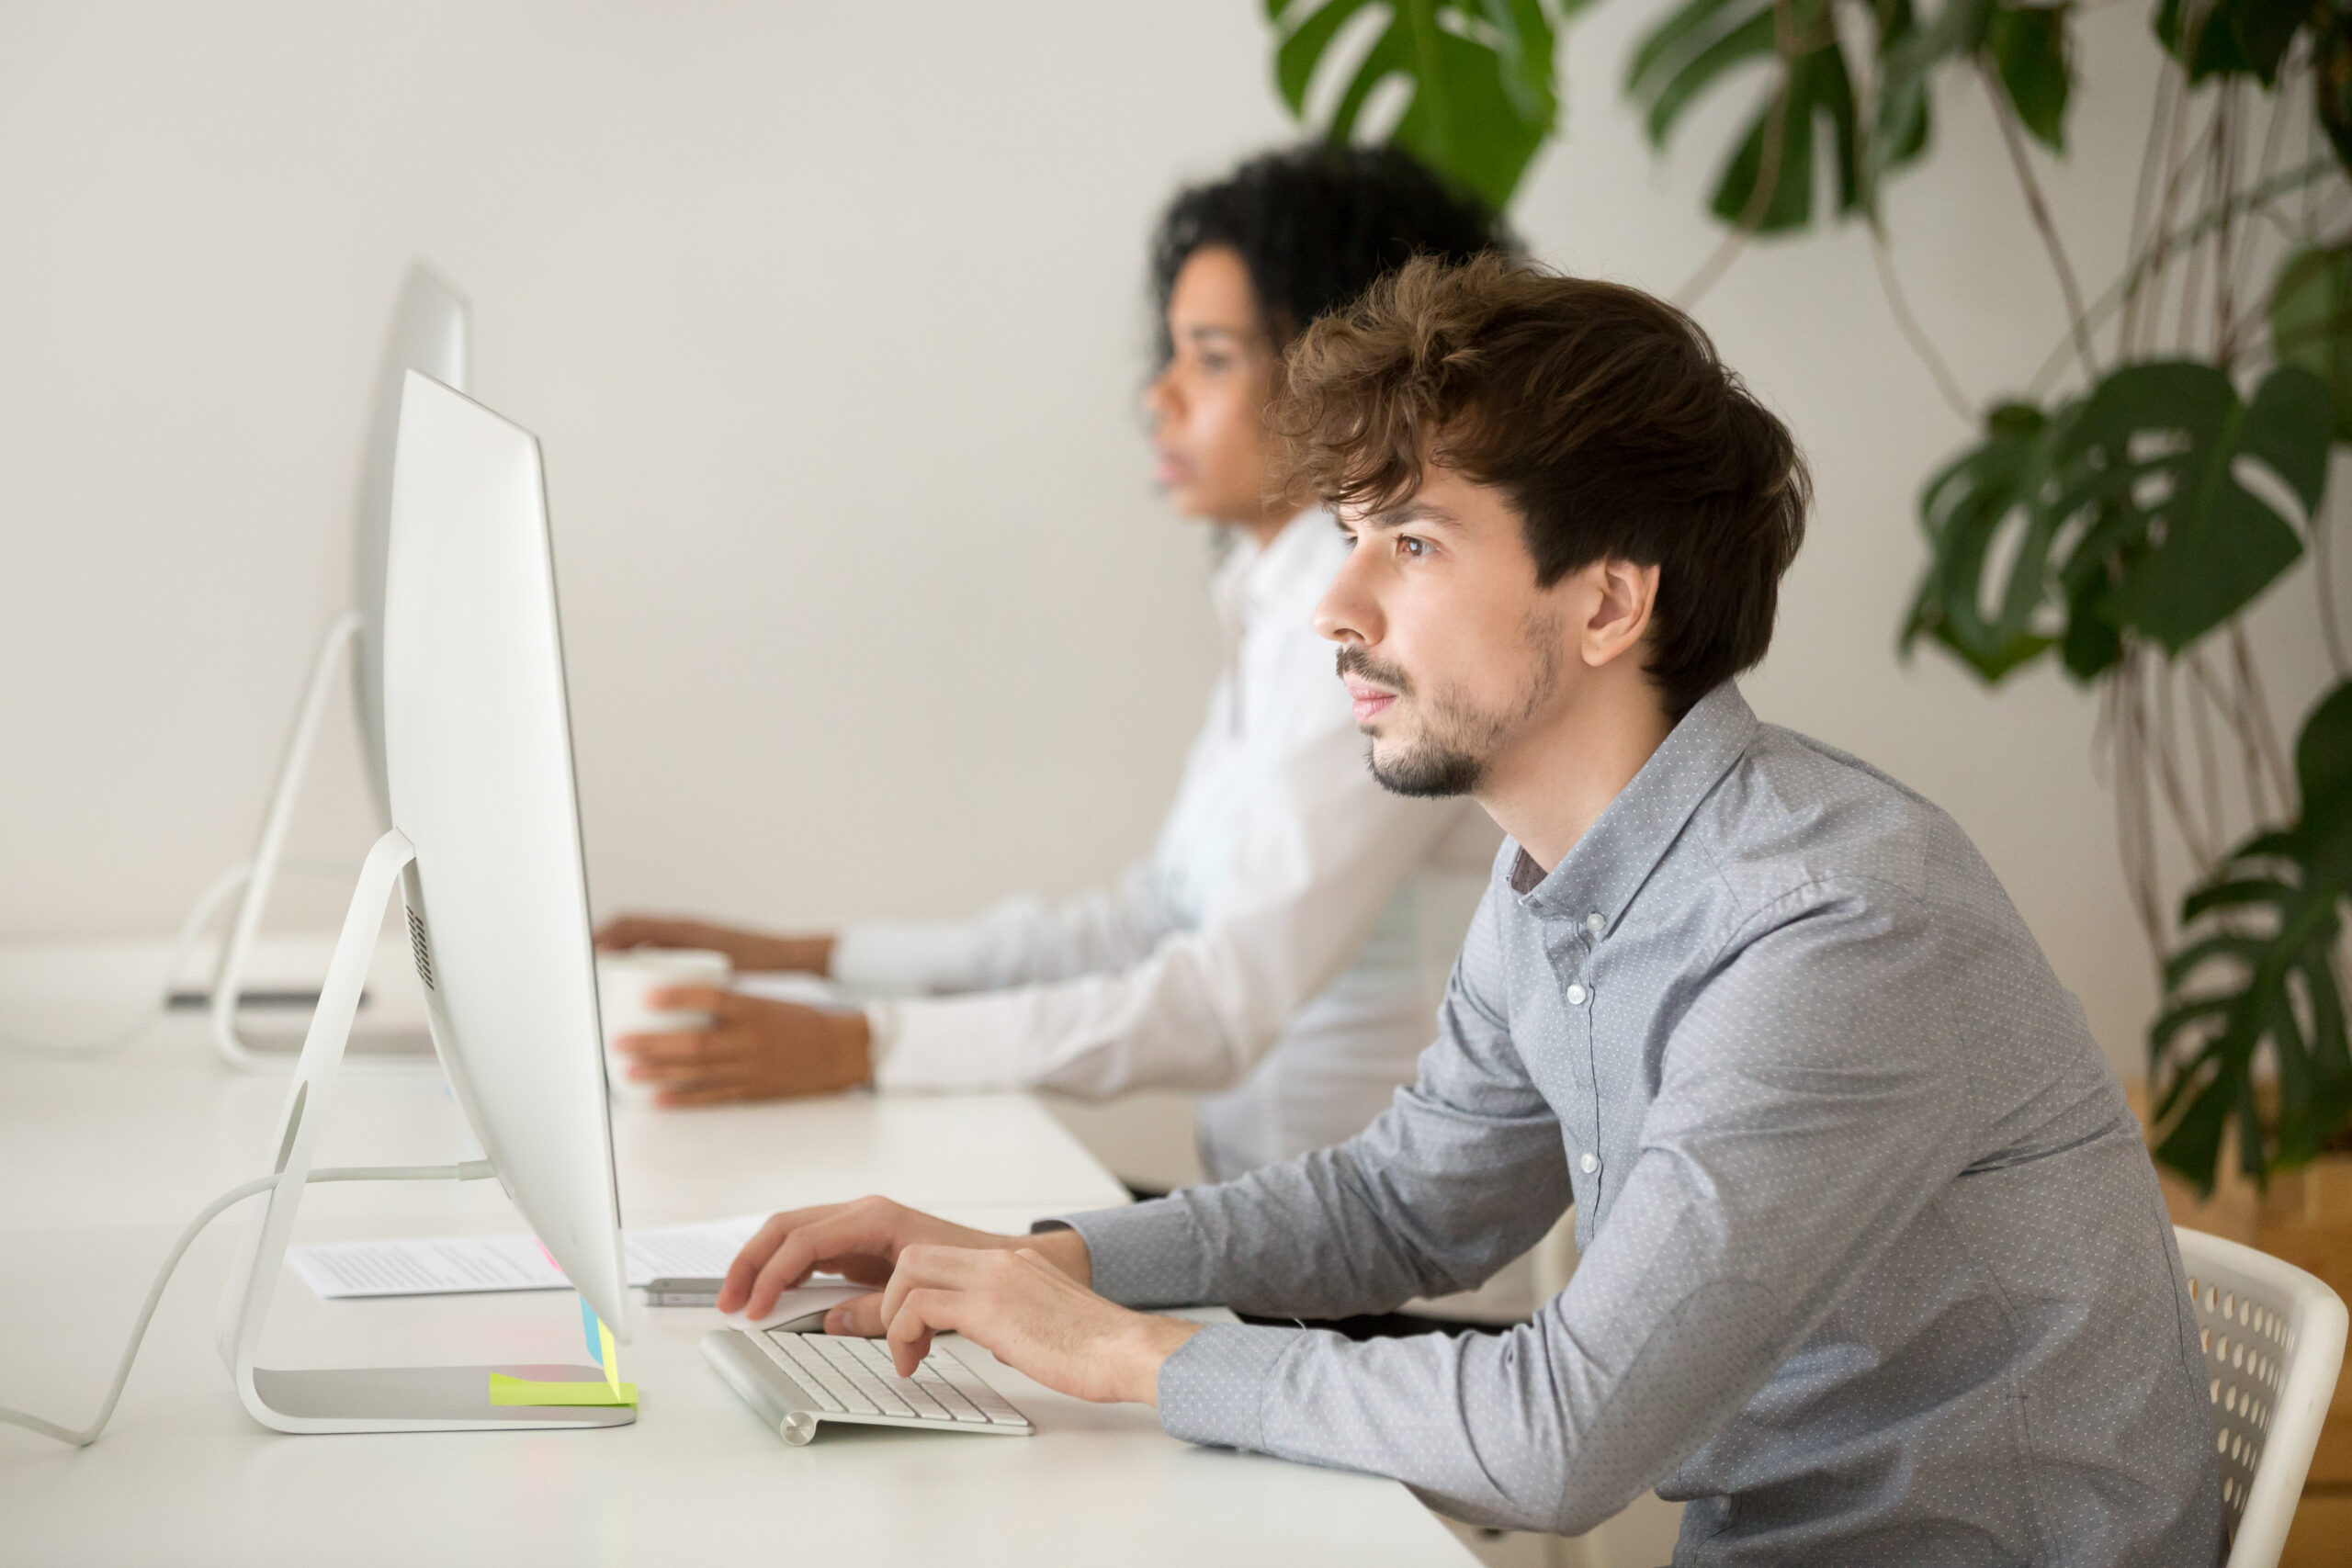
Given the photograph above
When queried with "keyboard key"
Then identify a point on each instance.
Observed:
(821, 1380)
(990, 1402)
(860, 1376)
(877, 1361)
(939, 1388)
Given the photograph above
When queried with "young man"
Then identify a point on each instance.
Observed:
(1285, 943)
(1874, 1266)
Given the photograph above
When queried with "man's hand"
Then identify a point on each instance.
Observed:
(1022, 1298)
(862, 1241)
(1029, 1314)
(755, 1049)
(749, 951)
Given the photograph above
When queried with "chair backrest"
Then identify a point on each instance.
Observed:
(2273, 1338)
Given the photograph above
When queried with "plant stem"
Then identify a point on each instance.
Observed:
(1921, 344)
(2226, 110)
(2124, 293)
(2259, 722)
(2147, 225)
(2120, 723)
(2014, 140)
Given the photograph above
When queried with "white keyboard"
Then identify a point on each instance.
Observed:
(795, 1381)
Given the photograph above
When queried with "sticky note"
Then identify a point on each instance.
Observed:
(600, 1345)
(504, 1389)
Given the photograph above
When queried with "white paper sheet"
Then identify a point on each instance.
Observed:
(460, 1265)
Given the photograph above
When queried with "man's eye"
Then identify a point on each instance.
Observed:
(1408, 545)
(1216, 363)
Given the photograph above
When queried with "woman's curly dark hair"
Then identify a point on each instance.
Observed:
(1315, 226)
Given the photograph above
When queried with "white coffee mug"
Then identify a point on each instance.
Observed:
(623, 981)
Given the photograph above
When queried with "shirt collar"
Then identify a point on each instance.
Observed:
(1607, 867)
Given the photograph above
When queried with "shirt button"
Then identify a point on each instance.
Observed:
(1596, 922)
(1576, 996)
(1590, 1164)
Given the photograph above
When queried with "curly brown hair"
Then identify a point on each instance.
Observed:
(1601, 413)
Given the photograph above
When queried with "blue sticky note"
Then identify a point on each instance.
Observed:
(589, 1326)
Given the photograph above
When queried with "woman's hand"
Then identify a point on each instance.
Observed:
(749, 951)
(753, 1049)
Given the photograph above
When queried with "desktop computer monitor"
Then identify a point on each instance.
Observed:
(478, 752)
(485, 846)
(431, 331)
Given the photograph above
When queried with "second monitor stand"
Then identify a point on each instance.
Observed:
(408, 1046)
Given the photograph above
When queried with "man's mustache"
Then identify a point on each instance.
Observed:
(1355, 660)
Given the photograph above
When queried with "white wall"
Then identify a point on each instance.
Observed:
(830, 318)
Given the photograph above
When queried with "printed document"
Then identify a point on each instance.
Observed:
(454, 1266)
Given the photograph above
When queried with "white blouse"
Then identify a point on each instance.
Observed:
(1285, 943)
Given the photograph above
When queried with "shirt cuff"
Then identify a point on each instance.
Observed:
(1145, 1254)
(1213, 1389)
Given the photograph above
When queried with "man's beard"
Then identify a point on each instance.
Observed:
(1457, 740)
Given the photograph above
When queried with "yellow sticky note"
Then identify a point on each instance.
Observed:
(504, 1389)
(610, 1359)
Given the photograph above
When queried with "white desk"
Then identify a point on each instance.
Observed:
(101, 1162)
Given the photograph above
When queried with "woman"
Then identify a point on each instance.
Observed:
(1285, 943)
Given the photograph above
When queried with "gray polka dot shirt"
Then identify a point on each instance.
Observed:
(1873, 1265)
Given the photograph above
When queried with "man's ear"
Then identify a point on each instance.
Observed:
(1621, 596)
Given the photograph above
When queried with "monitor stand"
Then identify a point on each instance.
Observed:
(274, 1051)
(358, 1399)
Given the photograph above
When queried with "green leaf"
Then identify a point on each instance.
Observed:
(2311, 323)
(2154, 450)
(1819, 92)
(1482, 76)
(2028, 47)
(1692, 48)
(2323, 754)
(1965, 509)
(2124, 512)
(1907, 53)
(2257, 978)
(2225, 38)
(1702, 41)
(2198, 35)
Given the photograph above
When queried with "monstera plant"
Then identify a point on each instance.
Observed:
(2166, 469)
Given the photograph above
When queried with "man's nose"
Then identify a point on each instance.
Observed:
(1347, 613)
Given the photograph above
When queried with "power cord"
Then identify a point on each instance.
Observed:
(470, 1170)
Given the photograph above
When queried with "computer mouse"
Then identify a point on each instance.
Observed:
(799, 1311)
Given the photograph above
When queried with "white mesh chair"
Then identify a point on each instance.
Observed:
(2273, 1338)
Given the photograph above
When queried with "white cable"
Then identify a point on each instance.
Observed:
(470, 1170)
(216, 893)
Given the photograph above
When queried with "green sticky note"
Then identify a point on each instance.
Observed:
(504, 1389)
